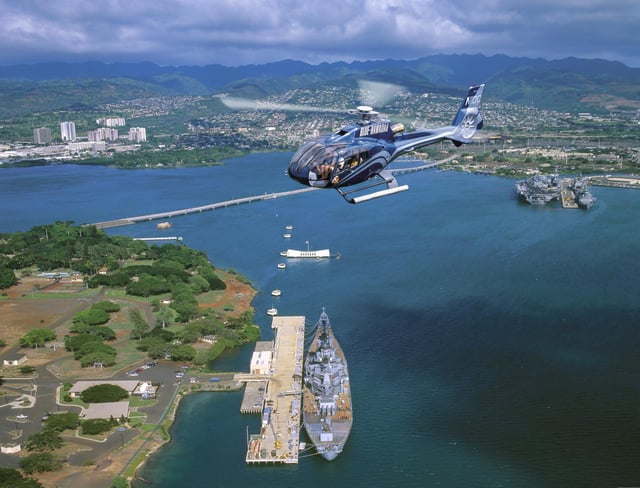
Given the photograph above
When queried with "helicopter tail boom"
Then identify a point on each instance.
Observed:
(461, 131)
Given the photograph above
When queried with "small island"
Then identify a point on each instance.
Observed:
(112, 325)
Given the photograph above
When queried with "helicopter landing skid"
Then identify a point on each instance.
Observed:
(383, 178)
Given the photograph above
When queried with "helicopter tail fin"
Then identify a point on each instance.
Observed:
(468, 118)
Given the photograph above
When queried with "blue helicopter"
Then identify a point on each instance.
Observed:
(353, 160)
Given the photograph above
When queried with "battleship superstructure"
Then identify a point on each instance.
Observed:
(583, 196)
(327, 412)
(539, 189)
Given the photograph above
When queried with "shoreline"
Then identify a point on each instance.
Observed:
(169, 421)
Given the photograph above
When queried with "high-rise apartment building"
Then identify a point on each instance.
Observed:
(137, 134)
(42, 135)
(68, 131)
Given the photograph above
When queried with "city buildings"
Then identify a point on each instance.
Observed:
(102, 134)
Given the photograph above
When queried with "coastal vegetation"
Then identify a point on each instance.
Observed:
(169, 279)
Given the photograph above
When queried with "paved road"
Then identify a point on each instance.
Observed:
(44, 386)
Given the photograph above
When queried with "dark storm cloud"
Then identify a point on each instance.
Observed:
(237, 32)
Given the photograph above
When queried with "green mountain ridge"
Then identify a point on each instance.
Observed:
(571, 84)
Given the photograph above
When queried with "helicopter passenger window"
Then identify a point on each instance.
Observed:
(355, 159)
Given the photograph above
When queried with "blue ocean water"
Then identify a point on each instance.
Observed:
(490, 343)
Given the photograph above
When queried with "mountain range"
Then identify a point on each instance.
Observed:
(569, 84)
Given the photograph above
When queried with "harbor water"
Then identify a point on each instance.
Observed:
(490, 343)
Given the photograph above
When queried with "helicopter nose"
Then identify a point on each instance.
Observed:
(300, 174)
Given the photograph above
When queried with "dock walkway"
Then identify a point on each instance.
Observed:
(280, 391)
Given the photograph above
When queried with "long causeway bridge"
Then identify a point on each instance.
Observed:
(238, 201)
(202, 208)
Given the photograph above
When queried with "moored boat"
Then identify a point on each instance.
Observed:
(326, 396)
(276, 293)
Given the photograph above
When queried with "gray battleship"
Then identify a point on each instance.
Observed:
(539, 189)
(583, 196)
(326, 397)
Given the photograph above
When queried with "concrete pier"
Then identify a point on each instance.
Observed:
(276, 381)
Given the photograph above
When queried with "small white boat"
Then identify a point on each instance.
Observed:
(287, 236)
(276, 293)
(283, 253)
(281, 265)
(272, 311)
(289, 227)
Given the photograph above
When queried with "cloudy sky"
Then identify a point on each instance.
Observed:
(237, 32)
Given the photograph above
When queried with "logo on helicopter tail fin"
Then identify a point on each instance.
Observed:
(470, 106)
(473, 97)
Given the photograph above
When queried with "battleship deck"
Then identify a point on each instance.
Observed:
(567, 195)
(281, 395)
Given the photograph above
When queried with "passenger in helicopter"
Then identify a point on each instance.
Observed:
(319, 176)
(324, 171)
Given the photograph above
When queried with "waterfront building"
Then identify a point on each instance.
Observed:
(87, 146)
(68, 131)
(42, 135)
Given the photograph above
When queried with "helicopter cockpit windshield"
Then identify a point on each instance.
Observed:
(314, 163)
(320, 164)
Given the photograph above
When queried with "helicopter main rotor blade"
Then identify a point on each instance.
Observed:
(236, 103)
(376, 93)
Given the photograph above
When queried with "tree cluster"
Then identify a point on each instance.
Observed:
(87, 250)
(104, 393)
(163, 343)
(87, 343)
(62, 245)
(42, 444)
(37, 338)
(98, 426)
(15, 479)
